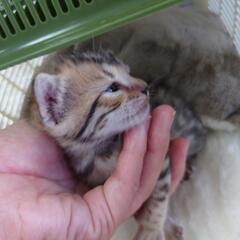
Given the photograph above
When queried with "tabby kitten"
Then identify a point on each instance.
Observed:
(86, 101)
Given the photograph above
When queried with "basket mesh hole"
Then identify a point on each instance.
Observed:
(88, 1)
(19, 20)
(63, 5)
(10, 26)
(29, 16)
(51, 8)
(40, 12)
(76, 3)
(2, 33)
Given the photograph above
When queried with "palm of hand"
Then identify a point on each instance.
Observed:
(45, 194)
(40, 181)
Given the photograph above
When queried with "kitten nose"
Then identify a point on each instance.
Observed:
(145, 91)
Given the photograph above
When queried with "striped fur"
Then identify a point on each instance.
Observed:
(154, 213)
(84, 101)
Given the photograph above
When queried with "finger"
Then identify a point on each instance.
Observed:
(120, 189)
(125, 181)
(178, 154)
(130, 163)
(158, 141)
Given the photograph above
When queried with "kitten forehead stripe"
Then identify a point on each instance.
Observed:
(108, 73)
(100, 57)
(89, 117)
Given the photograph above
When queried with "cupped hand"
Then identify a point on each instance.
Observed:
(37, 192)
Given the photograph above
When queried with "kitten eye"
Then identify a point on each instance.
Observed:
(114, 87)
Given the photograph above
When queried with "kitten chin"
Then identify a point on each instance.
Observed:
(141, 116)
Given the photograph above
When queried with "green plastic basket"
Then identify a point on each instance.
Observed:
(29, 28)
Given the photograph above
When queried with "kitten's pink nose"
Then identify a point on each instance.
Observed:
(142, 87)
(139, 86)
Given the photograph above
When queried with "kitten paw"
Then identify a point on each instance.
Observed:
(176, 234)
(173, 231)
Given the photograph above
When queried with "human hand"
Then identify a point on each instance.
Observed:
(37, 192)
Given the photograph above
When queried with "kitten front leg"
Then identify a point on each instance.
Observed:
(153, 214)
(153, 221)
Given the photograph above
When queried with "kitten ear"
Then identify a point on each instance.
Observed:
(49, 94)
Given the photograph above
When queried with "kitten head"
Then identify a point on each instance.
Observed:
(90, 97)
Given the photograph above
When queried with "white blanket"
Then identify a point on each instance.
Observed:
(208, 206)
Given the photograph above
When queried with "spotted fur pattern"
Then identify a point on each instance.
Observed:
(86, 101)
